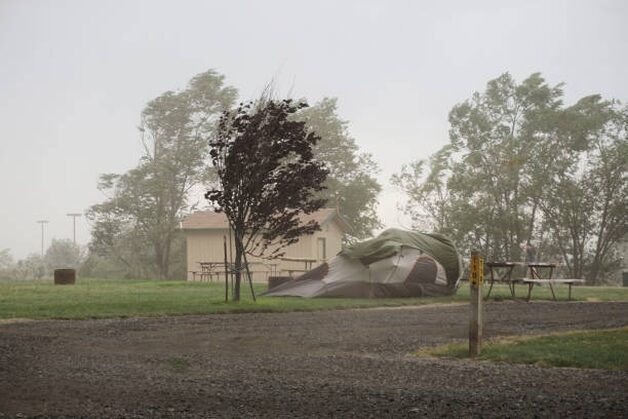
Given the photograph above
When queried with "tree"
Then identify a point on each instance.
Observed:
(7, 265)
(31, 267)
(63, 254)
(430, 191)
(351, 178)
(6, 260)
(585, 208)
(485, 167)
(520, 166)
(138, 224)
(268, 176)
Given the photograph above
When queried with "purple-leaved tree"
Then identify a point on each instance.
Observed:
(267, 178)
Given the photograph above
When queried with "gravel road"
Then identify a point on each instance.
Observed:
(352, 363)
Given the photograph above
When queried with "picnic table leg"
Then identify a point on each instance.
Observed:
(492, 280)
(530, 286)
(550, 284)
(552, 289)
(511, 283)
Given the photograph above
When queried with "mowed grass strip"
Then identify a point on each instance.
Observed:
(101, 298)
(97, 298)
(600, 349)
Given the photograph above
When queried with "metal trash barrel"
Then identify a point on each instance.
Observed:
(65, 276)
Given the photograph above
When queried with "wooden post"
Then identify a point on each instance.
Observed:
(248, 274)
(224, 242)
(476, 278)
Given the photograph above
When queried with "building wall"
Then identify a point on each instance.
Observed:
(203, 246)
(207, 246)
(332, 233)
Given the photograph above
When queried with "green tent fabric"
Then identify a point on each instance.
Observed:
(390, 241)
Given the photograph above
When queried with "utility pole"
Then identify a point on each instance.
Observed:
(74, 215)
(42, 222)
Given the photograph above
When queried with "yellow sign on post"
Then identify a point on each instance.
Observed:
(476, 278)
(477, 269)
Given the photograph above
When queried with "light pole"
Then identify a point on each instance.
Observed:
(42, 222)
(74, 215)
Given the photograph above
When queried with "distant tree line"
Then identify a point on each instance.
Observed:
(519, 166)
(60, 254)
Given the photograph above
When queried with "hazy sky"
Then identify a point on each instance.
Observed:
(75, 75)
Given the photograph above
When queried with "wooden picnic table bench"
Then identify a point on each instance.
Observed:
(531, 282)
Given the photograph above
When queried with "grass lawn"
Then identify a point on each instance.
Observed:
(602, 349)
(98, 298)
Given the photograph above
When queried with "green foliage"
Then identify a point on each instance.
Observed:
(351, 180)
(136, 228)
(521, 166)
(605, 349)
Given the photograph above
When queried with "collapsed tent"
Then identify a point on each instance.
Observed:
(397, 263)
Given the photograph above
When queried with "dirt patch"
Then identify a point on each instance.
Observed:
(351, 363)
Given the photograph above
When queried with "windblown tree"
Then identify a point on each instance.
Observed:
(485, 165)
(428, 189)
(268, 176)
(138, 224)
(585, 206)
(351, 181)
(519, 166)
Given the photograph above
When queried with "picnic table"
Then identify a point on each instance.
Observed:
(210, 269)
(308, 264)
(536, 273)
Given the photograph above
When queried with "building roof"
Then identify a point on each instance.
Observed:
(210, 220)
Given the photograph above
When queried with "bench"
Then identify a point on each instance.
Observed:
(534, 281)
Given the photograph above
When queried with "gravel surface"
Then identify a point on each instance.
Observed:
(351, 363)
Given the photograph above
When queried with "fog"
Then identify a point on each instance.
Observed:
(75, 75)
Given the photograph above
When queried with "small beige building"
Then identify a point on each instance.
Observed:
(207, 231)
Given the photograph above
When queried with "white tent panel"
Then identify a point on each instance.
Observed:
(344, 269)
